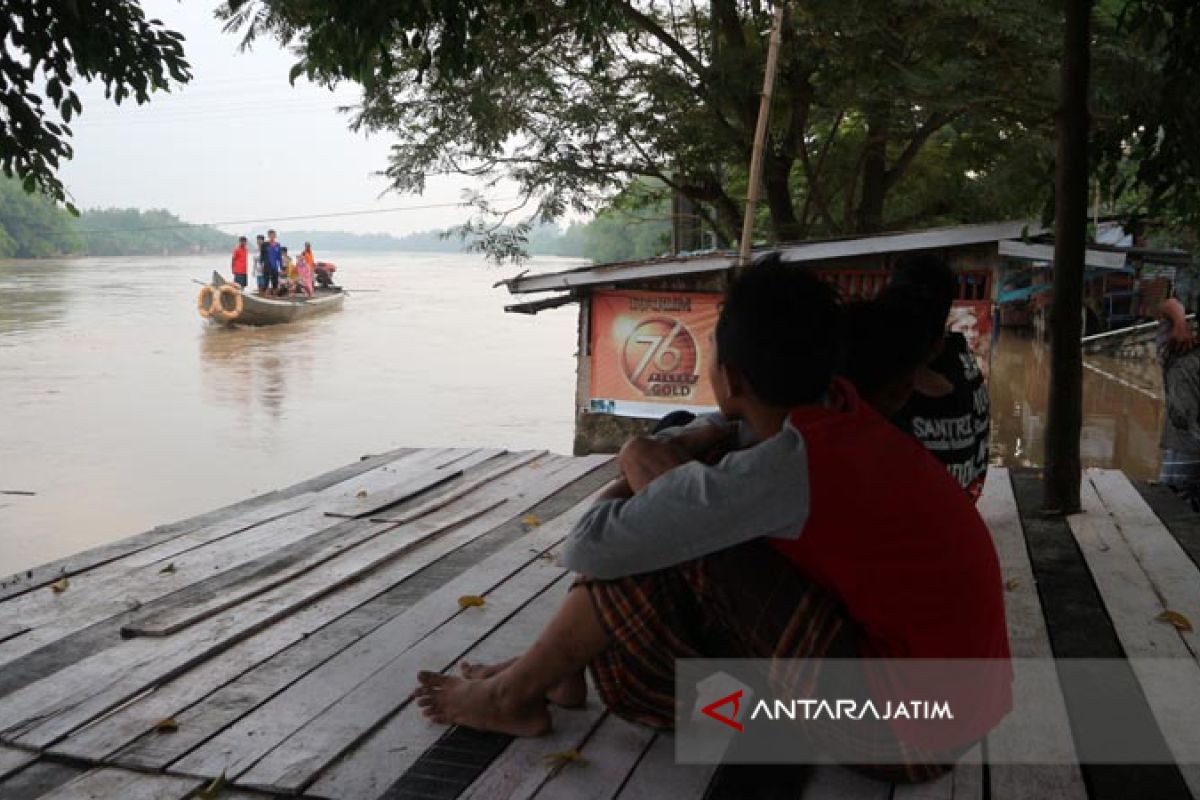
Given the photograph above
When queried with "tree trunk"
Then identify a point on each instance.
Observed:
(875, 174)
(785, 227)
(1065, 414)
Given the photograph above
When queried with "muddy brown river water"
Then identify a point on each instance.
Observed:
(122, 410)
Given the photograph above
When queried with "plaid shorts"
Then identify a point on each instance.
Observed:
(745, 602)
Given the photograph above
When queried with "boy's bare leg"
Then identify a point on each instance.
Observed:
(513, 700)
(570, 693)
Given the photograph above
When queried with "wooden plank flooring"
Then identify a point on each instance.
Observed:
(276, 641)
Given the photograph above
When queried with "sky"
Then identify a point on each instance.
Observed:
(238, 142)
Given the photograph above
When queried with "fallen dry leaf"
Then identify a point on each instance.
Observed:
(469, 600)
(361, 493)
(168, 725)
(1011, 584)
(1174, 618)
(213, 790)
(168, 569)
(565, 757)
(530, 521)
(60, 585)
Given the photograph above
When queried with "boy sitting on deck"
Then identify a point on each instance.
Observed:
(836, 536)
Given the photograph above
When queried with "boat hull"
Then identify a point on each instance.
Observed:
(258, 310)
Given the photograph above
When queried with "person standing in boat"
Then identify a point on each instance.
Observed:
(260, 264)
(273, 260)
(238, 264)
(305, 265)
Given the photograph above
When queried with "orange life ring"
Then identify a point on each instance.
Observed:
(229, 314)
(206, 301)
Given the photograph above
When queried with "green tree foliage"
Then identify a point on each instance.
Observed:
(31, 226)
(574, 100)
(1146, 120)
(45, 46)
(158, 232)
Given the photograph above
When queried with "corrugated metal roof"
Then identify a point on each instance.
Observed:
(1100, 259)
(796, 252)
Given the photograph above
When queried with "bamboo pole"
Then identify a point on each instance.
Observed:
(760, 138)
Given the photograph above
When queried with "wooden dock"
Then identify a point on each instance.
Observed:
(268, 649)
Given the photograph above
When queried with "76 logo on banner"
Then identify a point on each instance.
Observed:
(660, 358)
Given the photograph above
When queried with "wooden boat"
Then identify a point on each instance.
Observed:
(224, 303)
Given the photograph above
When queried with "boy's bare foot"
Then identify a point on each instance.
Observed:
(569, 693)
(481, 704)
(481, 671)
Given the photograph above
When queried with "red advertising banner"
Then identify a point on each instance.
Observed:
(651, 352)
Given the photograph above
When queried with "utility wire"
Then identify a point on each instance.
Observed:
(330, 215)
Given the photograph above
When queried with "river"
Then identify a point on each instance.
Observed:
(122, 410)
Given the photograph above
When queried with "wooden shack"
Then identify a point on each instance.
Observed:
(644, 327)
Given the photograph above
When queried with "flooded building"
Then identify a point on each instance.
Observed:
(645, 327)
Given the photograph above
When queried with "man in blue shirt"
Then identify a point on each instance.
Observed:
(274, 261)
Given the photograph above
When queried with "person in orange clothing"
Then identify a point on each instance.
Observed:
(239, 262)
(305, 266)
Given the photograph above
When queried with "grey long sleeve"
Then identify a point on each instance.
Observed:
(695, 509)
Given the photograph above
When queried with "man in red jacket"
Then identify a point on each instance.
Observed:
(239, 262)
(836, 535)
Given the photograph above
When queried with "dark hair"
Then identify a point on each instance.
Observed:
(241, 240)
(884, 343)
(927, 284)
(781, 327)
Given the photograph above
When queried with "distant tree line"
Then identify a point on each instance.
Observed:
(32, 226)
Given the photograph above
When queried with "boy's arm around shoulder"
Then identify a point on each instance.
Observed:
(694, 510)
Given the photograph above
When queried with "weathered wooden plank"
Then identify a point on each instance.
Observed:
(563, 486)
(323, 716)
(38, 778)
(364, 502)
(1176, 513)
(838, 783)
(92, 599)
(28, 580)
(124, 666)
(390, 760)
(657, 775)
(1079, 627)
(461, 489)
(12, 759)
(12, 631)
(229, 588)
(405, 537)
(188, 609)
(100, 595)
(528, 763)
(1012, 746)
(608, 757)
(970, 781)
(408, 754)
(1133, 604)
(1172, 575)
(106, 784)
(964, 782)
